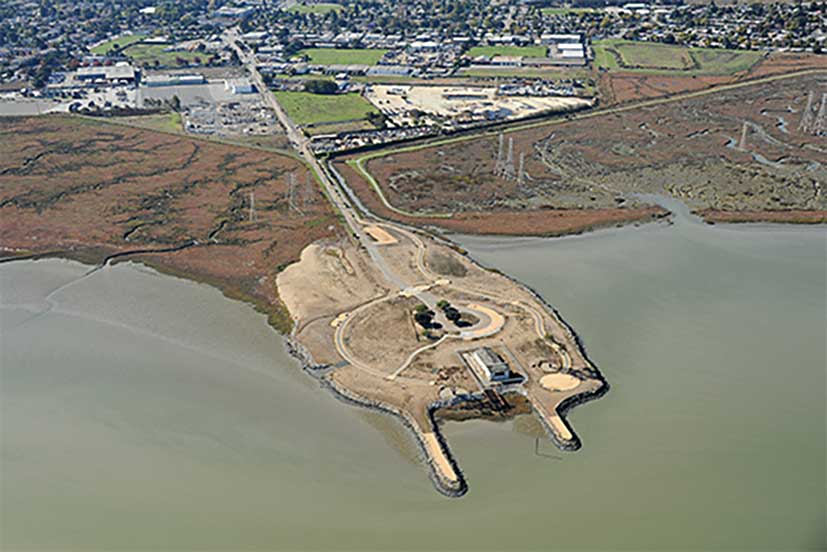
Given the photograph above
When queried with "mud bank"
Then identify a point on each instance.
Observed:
(712, 216)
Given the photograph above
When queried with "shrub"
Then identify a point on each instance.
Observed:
(318, 86)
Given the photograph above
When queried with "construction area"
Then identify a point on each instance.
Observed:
(415, 105)
(408, 325)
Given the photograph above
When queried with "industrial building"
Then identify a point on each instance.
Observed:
(490, 367)
(172, 80)
(120, 73)
(239, 86)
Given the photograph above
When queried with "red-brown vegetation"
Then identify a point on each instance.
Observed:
(82, 189)
(537, 222)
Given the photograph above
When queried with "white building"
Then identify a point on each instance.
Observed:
(239, 86)
(550, 38)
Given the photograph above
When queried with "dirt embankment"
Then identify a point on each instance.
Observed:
(93, 191)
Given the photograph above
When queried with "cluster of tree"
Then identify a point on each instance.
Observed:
(425, 318)
(171, 104)
(406, 18)
(320, 86)
(377, 119)
(452, 314)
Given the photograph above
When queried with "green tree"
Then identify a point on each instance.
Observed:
(319, 86)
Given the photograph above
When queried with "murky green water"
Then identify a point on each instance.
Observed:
(141, 411)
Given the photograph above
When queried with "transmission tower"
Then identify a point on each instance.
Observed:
(508, 170)
(498, 166)
(252, 206)
(820, 126)
(743, 143)
(521, 170)
(291, 193)
(807, 115)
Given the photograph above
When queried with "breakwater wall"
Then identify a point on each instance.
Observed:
(448, 487)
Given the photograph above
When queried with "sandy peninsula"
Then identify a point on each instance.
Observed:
(408, 325)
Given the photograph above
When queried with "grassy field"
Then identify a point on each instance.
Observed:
(317, 9)
(664, 58)
(164, 122)
(352, 56)
(525, 51)
(305, 108)
(120, 42)
(567, 11)
(147, 54)
(640, 54)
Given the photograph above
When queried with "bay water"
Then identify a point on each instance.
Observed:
(141, 411)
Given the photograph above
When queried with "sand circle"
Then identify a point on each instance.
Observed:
(559, 382)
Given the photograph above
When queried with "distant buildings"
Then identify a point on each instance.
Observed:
(389, 71)
(233, 12)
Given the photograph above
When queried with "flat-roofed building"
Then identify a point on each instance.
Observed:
(551, 38)
(507, 61)
(390, 71)
(172, 80)
(118, 73)
(491, 367)
(239, 86)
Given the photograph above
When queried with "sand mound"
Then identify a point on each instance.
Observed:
(559, 382)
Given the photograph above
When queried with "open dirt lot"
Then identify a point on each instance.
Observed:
(88, 190)
(692, 149)
(462, 101)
